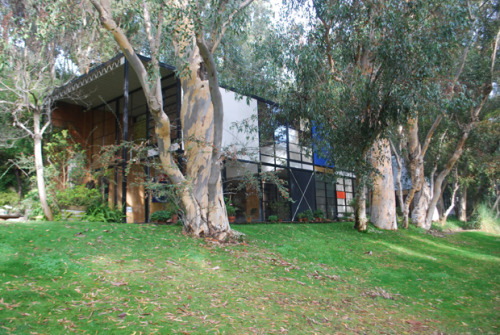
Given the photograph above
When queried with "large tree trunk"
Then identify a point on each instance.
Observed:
(197, 117)
(422, 198)
(462, 205)
(383, 206)
(415, 167)
(416, 155)
(398, 175)
(200, 187)
(440, 204)
(360, 219)
(19, 183)
(37, 138)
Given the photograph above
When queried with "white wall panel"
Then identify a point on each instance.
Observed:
(235, 112)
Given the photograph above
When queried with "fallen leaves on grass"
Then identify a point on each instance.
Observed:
(380, 292)
(320, 276)
(119, 283)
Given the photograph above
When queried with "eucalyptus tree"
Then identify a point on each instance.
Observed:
(463, 89)
(194, 30)
(359, 67)
(34, 38)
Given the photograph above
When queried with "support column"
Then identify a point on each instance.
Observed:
(147, 171)
(125, 137)
(117, 142)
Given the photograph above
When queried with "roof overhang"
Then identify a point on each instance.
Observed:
(103, 83)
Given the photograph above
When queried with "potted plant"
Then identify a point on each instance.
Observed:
(273, 218)
(161, 217)
(318, 215)
(308, 215)
(231, 213)
(301, 217)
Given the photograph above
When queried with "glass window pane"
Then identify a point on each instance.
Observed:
(267, 159)
(266, 168)
(294, 148)
(293, 136)
(307, 167)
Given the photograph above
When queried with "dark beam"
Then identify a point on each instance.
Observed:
(125, 137)
(147, 171)
(117, 142)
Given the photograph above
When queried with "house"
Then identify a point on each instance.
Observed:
(107, 105)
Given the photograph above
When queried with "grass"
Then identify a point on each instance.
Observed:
(59, 278)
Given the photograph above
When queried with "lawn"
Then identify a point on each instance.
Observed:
(95, 278)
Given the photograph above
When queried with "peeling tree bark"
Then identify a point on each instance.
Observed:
(415, 160)
(462, 204)
(474, 115)
(40, 179)
(398, 175)
(452, 204)
(440, 204)
(383, 205)
(361, 221)
(201, 115)
(420, 206)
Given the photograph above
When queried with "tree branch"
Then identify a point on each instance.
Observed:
(430, 133)
(216, 40)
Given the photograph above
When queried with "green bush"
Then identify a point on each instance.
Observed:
(319, 214)
(308, 215)
(484, 219)
(79, 195)
(161, 216)
(32, 207)
(273, 218)
(102, 213)
(9, 198)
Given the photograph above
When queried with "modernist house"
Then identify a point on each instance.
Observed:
(107, 105)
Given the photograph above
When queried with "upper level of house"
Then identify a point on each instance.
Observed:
(107, 105)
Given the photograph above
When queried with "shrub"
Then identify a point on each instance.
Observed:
(9, 198)
(161, 216)
(273, 218)
(484, 219)
(102, 213)
(79, 195)
(308, 215)
(32, 208)
(318, 214)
